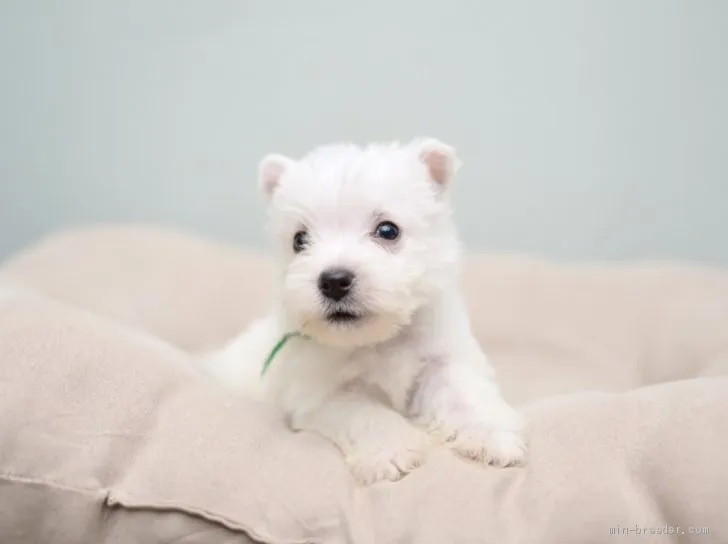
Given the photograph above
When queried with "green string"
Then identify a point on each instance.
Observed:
(277, 348)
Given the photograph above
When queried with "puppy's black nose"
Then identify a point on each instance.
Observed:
(335, 283)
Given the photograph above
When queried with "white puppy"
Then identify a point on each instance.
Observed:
(386, 365)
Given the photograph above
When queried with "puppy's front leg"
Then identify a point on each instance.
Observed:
(377, 442)
(461, 404)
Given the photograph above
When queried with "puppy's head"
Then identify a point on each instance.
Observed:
(364, 234)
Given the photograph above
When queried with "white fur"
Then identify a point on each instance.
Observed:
(409, 374)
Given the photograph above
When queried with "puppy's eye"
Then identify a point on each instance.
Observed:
(387, 231)
(300, 241)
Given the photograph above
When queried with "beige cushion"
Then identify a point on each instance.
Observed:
(108, 436)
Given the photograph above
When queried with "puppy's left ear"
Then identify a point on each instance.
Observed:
(441, 160)
(270, 171)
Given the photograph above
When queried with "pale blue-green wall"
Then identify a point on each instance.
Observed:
(589, 129)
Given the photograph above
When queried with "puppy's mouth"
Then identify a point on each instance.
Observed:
(342, 317)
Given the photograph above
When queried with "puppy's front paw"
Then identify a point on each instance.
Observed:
(374, 460)
(497, 447)
(491, 436)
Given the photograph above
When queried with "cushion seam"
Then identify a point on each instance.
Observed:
(116, 499)
(119, 499)
(21, 478)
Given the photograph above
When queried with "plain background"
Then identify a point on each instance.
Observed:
(589, 130)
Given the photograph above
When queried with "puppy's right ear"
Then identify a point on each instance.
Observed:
(440, 159)
(270, 171)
